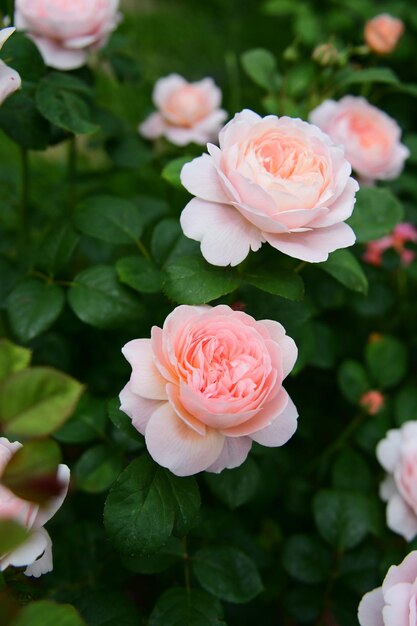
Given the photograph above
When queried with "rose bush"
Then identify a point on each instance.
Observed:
(208, 384)
(187, 112)
(275, 180)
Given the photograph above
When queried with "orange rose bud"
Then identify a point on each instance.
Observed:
(383, 32)
(372, 401)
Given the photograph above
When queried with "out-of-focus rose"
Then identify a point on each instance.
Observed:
(65, 30)
(208, 384)
(36, 552)
(393, 604)
(275, 180)
(326, 54)
(397, 453)
(371, 138)
(403, 233)
(10, 80)
(383, 32)
(372, 401)
(187, 112)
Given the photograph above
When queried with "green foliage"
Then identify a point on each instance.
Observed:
(110, 219)
(48, 613)
(387, 361)
(260, 65)
(343, 266)
(376, 213)
(188, 608)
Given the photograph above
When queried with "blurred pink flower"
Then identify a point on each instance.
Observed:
(371, 138)
(187, 112)
(393, 604)
(208, 384)
(372, 401)
(275, 180)
(383, 32)
(403, 233)
(397, 453)
(66, 30)
(36, 551)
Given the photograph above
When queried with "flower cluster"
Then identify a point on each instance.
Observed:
(402, 234)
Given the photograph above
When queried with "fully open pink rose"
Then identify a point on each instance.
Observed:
(383, 32)
(397, 453)
(10, 80)
(36, 551)
(395, 603)
(370, 137)
(275, 180)
(187, 112)
(65, 30)
(208, 384)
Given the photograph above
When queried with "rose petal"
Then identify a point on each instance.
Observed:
(200, 178)
(234, 453)
(137, 408)
(281, 429)
(370, 608)
(146, 381)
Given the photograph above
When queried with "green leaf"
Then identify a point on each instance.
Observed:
(227, 573)
(236, 486)
(168, 242)
(33, 306)
(260, 65)
(106, 607)
(57, 248)
(122, 421)
(23, 55)
(286, 284)
(183, 607)
(20, 120)
(12, 535)
(110, 219)
(97, 468)
(48, 613)
(353, 380)
(342, 517)
(172, 171)
(351, 472)
(190, 280)
(368, 75)
(98, 298)
(139, 274)
(59, 99)
(171, 553)
(387, 361)
(37, 401)
(31, 473)
(306, 559)
(146, 504)
(281, 7)
(88, 422)
(343, 266)
(406, 405)
(139, 515)
(376, 213)
(12, 358)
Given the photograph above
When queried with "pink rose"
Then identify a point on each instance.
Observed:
(208, 384)
(397, 453)
(372, 401)
(402, 234)
(187, 112)
(370, 137)
(395, 603)
(10, 80)
(65, 30)
(383, 32)
(273, 179)
(36, 551)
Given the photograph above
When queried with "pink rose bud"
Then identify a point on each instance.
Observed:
(275, 180)
(393, 604)
(326, 54)
(36, 552)
(208, 384)
(66, 30)
(372, 401)
(383, 32)
(187, 112)
(397, 453)
(370, 137)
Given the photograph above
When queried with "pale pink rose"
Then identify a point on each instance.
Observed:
(10, 80)
(187, 112)
(395, 603)
(65, 30)
(383, 32)
(36, 552)
(371, 138)
(372, 401)
(397, 453)
(207, 385)
(403, 233)
(275, 180)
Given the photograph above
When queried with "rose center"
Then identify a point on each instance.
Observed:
(187, 105)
